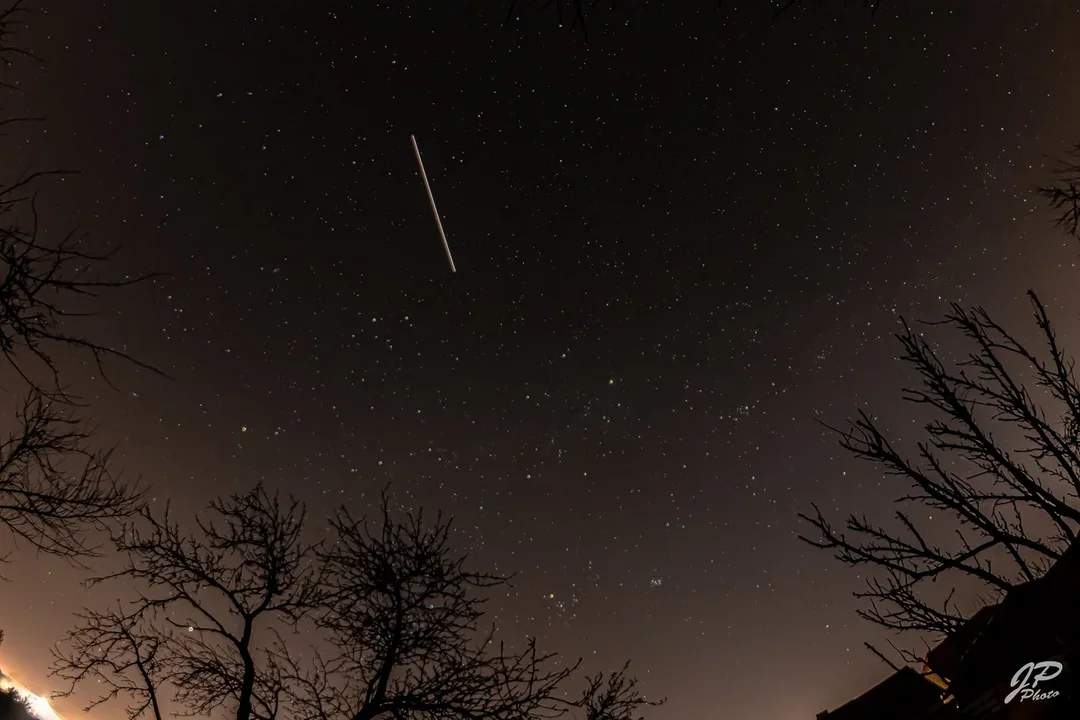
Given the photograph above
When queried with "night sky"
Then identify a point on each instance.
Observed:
(678, 245)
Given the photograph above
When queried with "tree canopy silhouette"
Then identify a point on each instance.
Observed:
(380, 621)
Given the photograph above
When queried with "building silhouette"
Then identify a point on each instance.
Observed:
(1016, 660)
(904, 695)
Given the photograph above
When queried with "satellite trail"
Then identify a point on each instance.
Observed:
(431, 199)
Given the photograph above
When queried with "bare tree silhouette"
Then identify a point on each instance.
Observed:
(392, 613)
(207, 599)
(614, 697)
(994, 493)
(1063, 194)
(45, 284)
(121, 651)
(403, 616)
(55, 485)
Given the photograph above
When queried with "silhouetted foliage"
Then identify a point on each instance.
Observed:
(392, 613)
(12, 707)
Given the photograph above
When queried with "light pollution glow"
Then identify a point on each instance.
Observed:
(39, 707)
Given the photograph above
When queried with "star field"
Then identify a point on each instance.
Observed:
(678, 247)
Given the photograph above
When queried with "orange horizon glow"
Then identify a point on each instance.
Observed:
(39, 706)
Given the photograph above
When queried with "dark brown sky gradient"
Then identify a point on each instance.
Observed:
(677, 246)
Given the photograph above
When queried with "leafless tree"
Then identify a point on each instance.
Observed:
(614, 697)
(403, 618)
(393, 616)
(215, 596)
(45, 285)
(1063, 194)
(122, 651)
(55, 485)
(10, 21)
(1012, 501)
